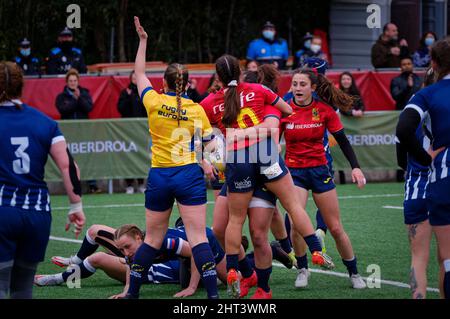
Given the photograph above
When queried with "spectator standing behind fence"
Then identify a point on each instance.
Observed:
(75, 103)
(422, 56)
(387, 51)
(65, 56)
(404, 86)
(130, 105)
(348, 85)
(314, 51)
(29, 64)
(269, 48)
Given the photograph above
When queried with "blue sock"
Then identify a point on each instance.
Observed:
(88, 247)
(143, 259)
(351, 266)
(251, 259)
(263, 278)
(320, 222)
(245, 267)
(286, 245)
(232, 262)
(313, 243)
(206, 266)
(302, 262)
(86, 270)
(447, 279)
(287, 224)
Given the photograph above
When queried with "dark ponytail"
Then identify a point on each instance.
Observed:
(228, 71)
(327, 92)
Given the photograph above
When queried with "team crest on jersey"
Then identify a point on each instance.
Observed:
(315, 114)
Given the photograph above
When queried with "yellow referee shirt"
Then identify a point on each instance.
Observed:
(172, 140)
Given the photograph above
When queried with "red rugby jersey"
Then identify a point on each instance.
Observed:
(256, 104)
(304, 130)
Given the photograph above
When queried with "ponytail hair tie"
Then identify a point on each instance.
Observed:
(233, 83)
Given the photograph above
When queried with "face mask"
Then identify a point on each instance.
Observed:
(25, 52)
(315, 48)
(307, 44)
(269, 35)
(429, 41)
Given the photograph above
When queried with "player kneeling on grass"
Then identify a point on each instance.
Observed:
(121, 246)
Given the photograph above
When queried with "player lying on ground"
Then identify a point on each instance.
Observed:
(122, 244)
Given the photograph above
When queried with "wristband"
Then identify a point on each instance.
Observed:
(75, 207)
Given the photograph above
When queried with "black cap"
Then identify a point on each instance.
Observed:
(269, 24)
(24, 43)
(308, 36)
(66, 32)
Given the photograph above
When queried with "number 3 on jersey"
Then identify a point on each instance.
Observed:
(21, 165)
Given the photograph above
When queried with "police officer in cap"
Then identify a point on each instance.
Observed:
(28, 63)
(269, 48)
(65, 56)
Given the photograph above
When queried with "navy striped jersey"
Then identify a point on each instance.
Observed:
(26, 138)
(435, 99)
(416, 179)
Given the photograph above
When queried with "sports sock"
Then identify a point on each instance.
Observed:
(285, 243)
(204, 260)
(245, 267)
(302, 262)
(447, 279)
(263, 278)
(88, 247)
(320, 222)
(85, 268)
(313, 243)
(351, 266)
(143, 259)
(232, 262)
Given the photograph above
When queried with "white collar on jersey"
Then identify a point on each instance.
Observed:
(10, 103)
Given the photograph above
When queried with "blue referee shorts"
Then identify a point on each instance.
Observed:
(183, 183)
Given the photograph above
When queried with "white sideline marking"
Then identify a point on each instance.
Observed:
(212, 202)
(69, 240)
(393, 207)
(342, 275)
(324, 272)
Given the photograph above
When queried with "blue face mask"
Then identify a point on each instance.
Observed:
(429, 41)
(307, 44)
(269, 35)
(25, 52)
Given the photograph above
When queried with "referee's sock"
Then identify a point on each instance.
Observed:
(139, 269)
(206, 266)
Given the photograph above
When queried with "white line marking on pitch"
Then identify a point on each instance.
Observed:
(324, 272)
(342, 275)
(212, 202)
(393, 207)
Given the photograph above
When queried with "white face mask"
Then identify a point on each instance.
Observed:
(315, 48)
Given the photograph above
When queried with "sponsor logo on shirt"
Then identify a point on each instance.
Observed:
(327, 180)
(315, 115)
(292, 126)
